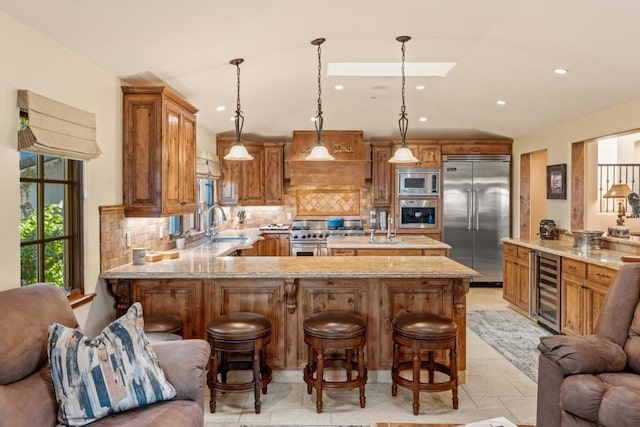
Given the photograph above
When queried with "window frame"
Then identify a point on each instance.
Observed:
(73, 182)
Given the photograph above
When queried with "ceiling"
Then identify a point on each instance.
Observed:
(504, 49)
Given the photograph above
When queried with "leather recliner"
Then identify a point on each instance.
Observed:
(27, 396)
(594, 380)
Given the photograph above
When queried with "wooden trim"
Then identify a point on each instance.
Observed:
(578, 171)
(113, 209)
(82, 300)
(525, 196)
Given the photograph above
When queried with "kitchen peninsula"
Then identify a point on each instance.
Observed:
(200, 286)
(407, 245)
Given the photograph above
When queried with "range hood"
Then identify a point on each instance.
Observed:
(352, 158)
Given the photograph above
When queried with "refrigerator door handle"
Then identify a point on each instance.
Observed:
(469, 210)
(476, 214)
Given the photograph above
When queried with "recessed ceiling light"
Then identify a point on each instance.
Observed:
(389, 69)
(561, 71)
(420, 87)
(423, 119)
(501, 102)
(221, 108)
(339, 87)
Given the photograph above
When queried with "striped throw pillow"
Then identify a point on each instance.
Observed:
(115, 371)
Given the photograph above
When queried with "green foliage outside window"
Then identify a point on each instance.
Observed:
(54, 250)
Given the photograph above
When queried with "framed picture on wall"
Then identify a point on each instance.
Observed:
(557, 181)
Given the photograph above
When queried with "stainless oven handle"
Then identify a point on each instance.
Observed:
(469, 209)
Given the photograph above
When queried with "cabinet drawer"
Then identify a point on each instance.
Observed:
(510, 250)
(523, 253)
(598, 274)
(573, 267)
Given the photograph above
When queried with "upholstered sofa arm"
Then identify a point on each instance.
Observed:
(589, 354)
(185, 365)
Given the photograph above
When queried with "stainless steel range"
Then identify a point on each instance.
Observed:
(308, 237)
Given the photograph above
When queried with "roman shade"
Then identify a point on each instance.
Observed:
(208, 166)
(52, 128)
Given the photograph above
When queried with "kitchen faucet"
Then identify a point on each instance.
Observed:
(211, 230)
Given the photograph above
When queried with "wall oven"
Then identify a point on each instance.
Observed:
(418, 213)
(413, 182)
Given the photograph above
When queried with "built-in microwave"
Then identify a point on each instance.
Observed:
(418, 213)
(414, 182)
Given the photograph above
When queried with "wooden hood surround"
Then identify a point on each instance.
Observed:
(347, 147)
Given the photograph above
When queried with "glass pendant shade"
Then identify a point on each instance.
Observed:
(319, 152)
(403, 155)
(238, 152)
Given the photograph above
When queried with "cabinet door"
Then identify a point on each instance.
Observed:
(264, 297)
(595, 294)
(270, 245)
(429, 156)
(187, 183)
(315, 296)
(572, 305)
(284, 245)
(397, 295)
(273, 175)
(381, 175)
(523, 286)
(252, 177)
(228, 184)
(142, 155)
(182, 298)
(510, 287)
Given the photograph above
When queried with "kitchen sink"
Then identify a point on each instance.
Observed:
(230, 239)
(385, 242)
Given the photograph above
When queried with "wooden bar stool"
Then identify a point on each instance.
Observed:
(430, 333)
(160, 322)
(335, 330)
(239, 341)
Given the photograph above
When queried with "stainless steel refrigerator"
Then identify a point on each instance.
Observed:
(475, 211)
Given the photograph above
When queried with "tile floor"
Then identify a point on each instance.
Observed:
(494, 387)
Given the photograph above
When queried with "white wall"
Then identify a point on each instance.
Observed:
(557, 140)
(32, 61)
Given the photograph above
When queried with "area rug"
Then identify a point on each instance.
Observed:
(511, 335)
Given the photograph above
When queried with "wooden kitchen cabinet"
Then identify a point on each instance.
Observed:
(159, 153)
(515, 284)
(480, 147)
(255, 182)
(381, 174)
(399, 295)
(274, 244)
(262, 296)
(584, 288)
(350, 295)
(182, 298)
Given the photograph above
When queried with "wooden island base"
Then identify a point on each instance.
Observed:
(406, 283)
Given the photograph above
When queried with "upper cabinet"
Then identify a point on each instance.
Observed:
(480, 146)
(381, 170)
(255, 182)
(159, 152)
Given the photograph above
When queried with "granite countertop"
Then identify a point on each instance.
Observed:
(381, 242)
(603, 257)
(203, 262)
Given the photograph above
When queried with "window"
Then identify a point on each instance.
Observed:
(206, 199)
(51, 222)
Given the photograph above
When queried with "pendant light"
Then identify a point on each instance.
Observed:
(319, 151)
(238, 151)
(403, 154)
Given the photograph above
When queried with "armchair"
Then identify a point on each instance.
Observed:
(594, 380)
(27, 396)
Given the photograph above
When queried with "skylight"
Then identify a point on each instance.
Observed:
(389, 69)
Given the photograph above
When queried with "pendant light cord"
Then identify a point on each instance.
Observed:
(403, 123)
(319, 121)
(239, 119)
